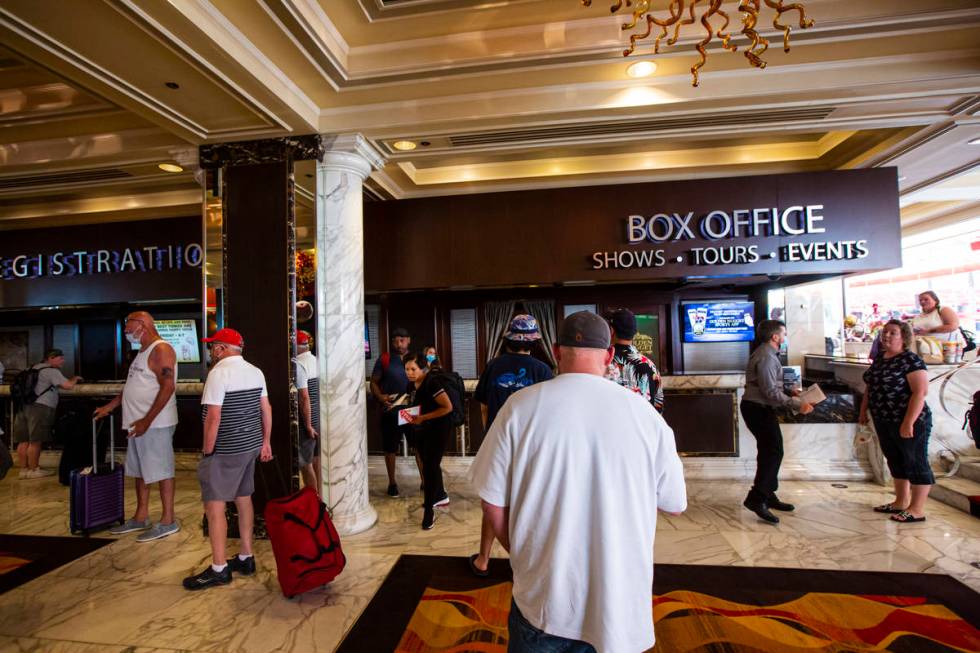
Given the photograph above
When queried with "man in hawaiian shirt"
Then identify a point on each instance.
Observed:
(630, 368)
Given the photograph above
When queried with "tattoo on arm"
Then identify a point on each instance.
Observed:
(167, 372)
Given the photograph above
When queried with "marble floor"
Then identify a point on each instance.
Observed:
(128, 597)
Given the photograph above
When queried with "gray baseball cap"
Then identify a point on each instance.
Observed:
(584, 329)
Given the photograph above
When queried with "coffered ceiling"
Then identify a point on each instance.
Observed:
(495, 94)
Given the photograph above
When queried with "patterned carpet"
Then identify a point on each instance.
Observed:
(25, 557)
(702, 609)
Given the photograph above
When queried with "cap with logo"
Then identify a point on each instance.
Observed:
(226, 336)
(584, 329)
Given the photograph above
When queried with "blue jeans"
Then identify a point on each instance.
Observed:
(525, 638)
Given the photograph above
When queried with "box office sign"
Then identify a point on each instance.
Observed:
(814, 223)
(103, 263)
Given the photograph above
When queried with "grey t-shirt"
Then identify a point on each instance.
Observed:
(49, 377)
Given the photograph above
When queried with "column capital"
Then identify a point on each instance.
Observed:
(350, 152)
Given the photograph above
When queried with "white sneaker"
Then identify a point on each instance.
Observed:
(39, 473)
(24, 472)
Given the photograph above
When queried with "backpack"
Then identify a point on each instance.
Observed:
(23, 389)
(453, 383)
(971, 421)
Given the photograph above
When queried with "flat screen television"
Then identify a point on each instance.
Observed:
(182, 336)
(367, 339)
(718, 321)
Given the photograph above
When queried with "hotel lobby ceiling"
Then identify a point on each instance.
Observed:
(496, 95)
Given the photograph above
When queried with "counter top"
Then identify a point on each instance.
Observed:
(109, 389)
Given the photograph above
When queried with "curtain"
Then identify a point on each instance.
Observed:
(496, 319)
(543, 311)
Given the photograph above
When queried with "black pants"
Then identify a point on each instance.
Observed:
(431, 445)
(764, 426)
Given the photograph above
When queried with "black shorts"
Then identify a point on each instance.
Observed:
(391, 432)
(908, 458)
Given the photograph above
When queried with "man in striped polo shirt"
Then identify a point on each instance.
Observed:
(308, 388)
(237, 428)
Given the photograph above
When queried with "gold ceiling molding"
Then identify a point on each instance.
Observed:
(750, 10)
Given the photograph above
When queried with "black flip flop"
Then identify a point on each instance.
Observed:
(479, 573)
(888, 509)
(905, 517)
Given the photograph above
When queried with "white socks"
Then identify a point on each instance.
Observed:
(243, 557)
(219, 568)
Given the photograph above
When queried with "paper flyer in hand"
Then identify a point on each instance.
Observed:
(813, 395)
(404, 413)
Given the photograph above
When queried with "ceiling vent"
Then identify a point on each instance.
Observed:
(636, 127)
(62, 178)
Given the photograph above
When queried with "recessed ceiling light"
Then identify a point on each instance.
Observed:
(902, 178)
(404, 146)
(641, 69)
(172, 85)
(975, 141)
(170, 167)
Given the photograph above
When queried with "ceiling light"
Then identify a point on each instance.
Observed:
(404, 146)
(975, 141)
(641, 69)
(715, 22)
(170, 167)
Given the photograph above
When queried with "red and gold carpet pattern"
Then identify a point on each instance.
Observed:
(817, 622)
(10, 562)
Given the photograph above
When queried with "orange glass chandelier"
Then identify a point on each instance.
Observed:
(715, 22)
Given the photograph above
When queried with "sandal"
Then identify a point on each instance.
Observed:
(479, 573)
(905, 517)
(889, 509)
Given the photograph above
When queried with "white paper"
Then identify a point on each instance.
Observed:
(813, 395)
(414, 411)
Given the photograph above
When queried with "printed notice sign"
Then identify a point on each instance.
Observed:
(182, 336)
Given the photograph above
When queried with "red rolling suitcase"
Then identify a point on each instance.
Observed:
(305, 542)
(96, 498)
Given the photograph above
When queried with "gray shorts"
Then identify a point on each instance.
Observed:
(151, 455)
(35, 423)
(226, 477)
(309, 448)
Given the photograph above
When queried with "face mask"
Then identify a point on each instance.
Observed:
(430, 358)
(133, 337)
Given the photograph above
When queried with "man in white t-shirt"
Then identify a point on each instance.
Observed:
(571, 476)
(308, 391)
(237, 430)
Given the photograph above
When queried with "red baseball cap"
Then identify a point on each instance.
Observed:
(226, 336)
(302, 337)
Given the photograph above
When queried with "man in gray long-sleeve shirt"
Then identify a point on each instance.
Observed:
(763, 393)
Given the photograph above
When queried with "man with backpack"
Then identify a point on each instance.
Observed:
(388, 383)
(35, 395)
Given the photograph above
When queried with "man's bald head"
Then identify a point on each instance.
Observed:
(141, 316)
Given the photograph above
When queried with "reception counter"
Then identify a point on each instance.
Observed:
(701, 409)
(75, 408)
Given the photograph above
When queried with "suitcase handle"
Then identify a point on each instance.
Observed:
(112, 445)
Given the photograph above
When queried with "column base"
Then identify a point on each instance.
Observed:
(354, 523)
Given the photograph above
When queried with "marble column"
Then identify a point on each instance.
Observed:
(347, 162)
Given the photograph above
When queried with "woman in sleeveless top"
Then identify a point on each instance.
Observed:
(935, 321)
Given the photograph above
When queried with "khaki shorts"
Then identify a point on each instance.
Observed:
(224, 477)
(35, 423)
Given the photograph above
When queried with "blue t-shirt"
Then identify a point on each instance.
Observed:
(393, 380)
(505, 375)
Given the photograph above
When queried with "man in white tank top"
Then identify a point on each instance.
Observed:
(149, 414)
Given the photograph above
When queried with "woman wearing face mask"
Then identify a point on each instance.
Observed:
(433, 427)
(895, 398)
(431, 356)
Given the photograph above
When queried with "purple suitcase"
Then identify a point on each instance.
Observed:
(96, 499)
